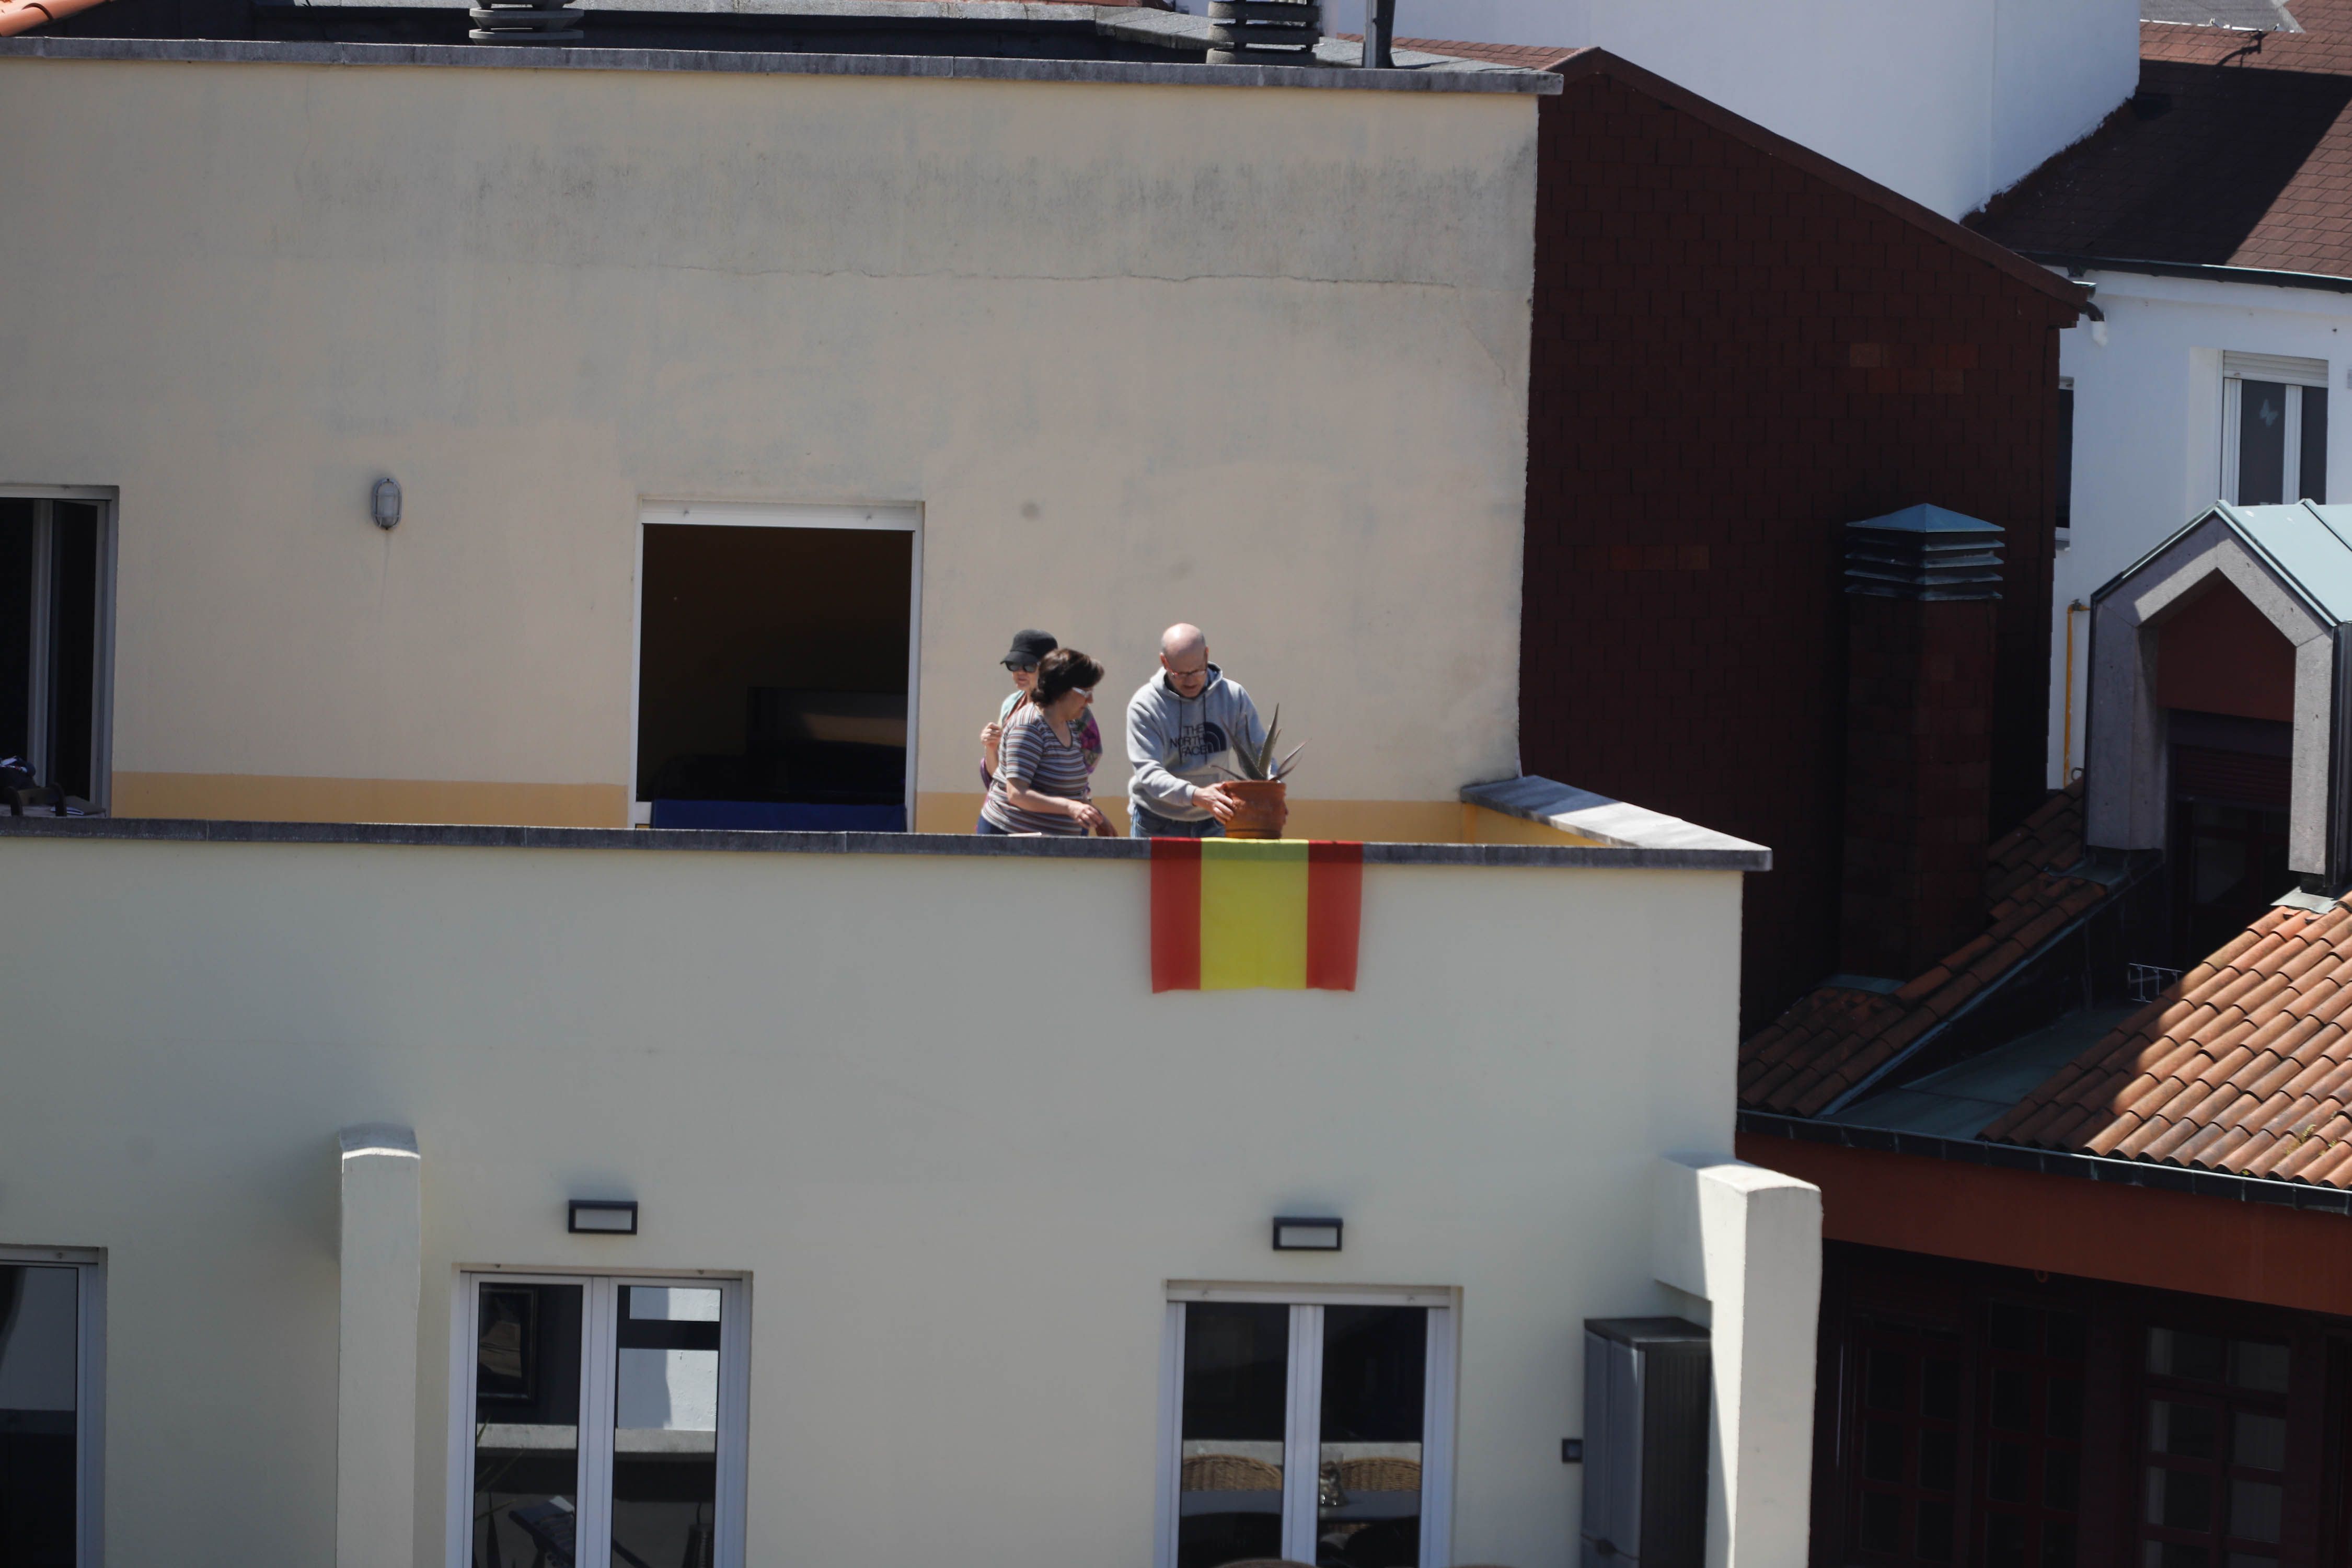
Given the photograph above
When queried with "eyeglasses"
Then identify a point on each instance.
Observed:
(1021, 666)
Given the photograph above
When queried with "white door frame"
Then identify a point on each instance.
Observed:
(89, 1264)
(1302, 1438)
(599, 1306)
(895, 517)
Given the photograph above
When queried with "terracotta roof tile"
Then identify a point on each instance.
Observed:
(1832, 1039)
(2245, 1064)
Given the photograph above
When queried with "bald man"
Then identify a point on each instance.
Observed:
(1180, 732)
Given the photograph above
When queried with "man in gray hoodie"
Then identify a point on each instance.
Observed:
(1181, 732)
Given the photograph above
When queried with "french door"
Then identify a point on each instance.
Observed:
(1319, 1431)
(601, 1422)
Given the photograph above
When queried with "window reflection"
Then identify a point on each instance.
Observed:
(665, 1426)
(1236, 1387)
(526, 1425)
(1368, 1488)
(38, 1345)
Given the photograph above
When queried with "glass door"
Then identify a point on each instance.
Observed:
(1313, 1432)
(606, 1421)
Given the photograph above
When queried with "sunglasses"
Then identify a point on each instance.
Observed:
(1021, 664)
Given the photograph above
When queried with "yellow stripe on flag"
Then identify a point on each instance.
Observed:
(1253, 914)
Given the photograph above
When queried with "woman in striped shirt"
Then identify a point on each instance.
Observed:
(1040, 786)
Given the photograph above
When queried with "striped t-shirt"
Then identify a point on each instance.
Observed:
(1028, 755)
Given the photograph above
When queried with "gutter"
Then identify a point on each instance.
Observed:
(2053, 1162)
(21, 16)
(2326, 282)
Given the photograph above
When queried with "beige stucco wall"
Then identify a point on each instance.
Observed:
(827, 1071)
(1256, 358)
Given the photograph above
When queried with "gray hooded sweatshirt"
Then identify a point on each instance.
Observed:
(1174, 745)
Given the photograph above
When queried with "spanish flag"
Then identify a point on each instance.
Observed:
(1228, 914)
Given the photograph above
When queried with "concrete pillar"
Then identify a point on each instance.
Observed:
(376, 1404)
(1748, 1240)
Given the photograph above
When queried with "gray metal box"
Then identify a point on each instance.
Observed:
(1646, 1420)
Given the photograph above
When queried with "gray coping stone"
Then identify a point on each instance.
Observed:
(520, 57)
(1615, 822)
(458, 837)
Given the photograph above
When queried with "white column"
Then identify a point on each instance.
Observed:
(375, 1401)
(1750, 1241)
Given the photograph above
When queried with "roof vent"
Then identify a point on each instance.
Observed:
(1263, 32)
(1923, 553)
(524, 22)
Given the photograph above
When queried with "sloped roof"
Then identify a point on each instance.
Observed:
(2236, 151)
(2243, 1066)
(1835, 1037)
(2309, 546)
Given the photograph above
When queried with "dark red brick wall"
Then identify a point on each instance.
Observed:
(1918, 753)
(1733, 359)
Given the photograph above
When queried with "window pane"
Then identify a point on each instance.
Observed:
(1939, 1389)
(2183, 1500)
(665, 1426)
(1882, 1452)
(16, 627)
(2315, 445)
(2200, 1358)
(2057, 1544)
(2174, 1554)
(2060, 1475)
(1370, 1484)
(73, 645)
(1935, 1533)
(2262, 443)
(1939, 1459)
(2064, 452)
(2070, 1336)
(2254, 1511)
(526, 1424)
(2005, 1473)
(1882, 1522)
(2004, 1540)
(2011, 1399)
(2065, 1419)
(1883, 1381)
(2260, 1443)
(1236, 1390)
(38, 1415)
(2191, 1431)
(2258, 1366)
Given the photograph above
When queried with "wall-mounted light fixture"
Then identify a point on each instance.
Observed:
(603, 1217)
(384, 502)
(1294, 1234)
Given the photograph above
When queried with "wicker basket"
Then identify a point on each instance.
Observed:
(1380, 1475)
(1229, 1473)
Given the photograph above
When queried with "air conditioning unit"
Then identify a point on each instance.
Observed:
(1645, 1417)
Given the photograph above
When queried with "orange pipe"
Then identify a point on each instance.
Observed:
(23, 15)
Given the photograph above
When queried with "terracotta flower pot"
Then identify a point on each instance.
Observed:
(1263, 806)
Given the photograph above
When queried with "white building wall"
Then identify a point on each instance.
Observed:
(958, 1209)
(1945, 101)
(2148, 432)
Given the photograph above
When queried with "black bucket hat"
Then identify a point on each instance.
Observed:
(1028, 648)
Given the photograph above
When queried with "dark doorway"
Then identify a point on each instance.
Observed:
(773, 677)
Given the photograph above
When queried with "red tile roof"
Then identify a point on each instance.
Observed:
(2237, 152)
(1835, 1037)
(1530, 57)
(2243, 1066)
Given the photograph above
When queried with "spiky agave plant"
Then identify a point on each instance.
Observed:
(1258, 763)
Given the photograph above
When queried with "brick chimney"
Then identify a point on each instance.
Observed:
(1922, 586)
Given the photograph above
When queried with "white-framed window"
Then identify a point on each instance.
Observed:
(776, 655)
(56, 635)
(2273, 429)
(1313, 1426)
(52, 1406)
(598, 1420)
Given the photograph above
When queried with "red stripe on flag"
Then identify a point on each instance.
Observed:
(1335, 913)
(1175, 914)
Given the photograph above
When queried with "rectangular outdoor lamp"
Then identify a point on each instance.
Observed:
(603, 1217)
(1294, 1234)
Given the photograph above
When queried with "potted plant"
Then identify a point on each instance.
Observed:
(1260, 796)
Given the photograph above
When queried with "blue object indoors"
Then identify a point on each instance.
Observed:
(777, 816)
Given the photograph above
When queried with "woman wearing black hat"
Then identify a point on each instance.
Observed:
(1022, 660)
